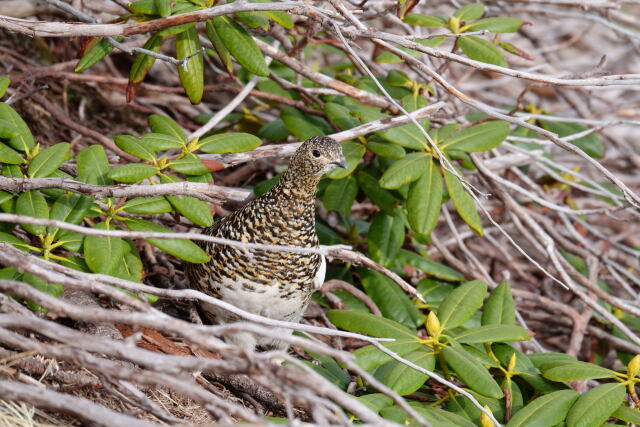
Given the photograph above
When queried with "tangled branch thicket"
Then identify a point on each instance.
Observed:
(536, 100)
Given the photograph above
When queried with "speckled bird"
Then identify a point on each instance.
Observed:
(274, 284)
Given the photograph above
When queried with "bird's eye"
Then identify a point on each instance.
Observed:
(315, 153)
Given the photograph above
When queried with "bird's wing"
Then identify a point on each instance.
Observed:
(318, 279)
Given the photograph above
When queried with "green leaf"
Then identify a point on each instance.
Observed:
(253, 20)
(103, 254)
(424, 200)
(475, 376)
(371, 188)
(470, 12)
(71, 208)
(386, 149)
(167, 126)
(280, 17)
(43, 286)
(132, 173)
(95, 55)
(375, 401)
(299, 124)
(540, 359)
(132, 145)
(48, 160)
(461, 304)
(481, 50)
(429, 267)
(591, 144)
(221, 50)
(8, 130)
(493, 333)
(192, 72)
(144, 7)
(403, 379)
(180, 248)
(241, 45)
(496, 25)
(482, 137)
(390, 299)
(5, 81)
(189, 165)
(385, 237)
(163, 7)
(499, 308)
(340, 115)
(574, 371)
(367, 323)
(463, 202)
(10, 156)
(627, 414)
(24, 140)
(594, 407)
(194, 209)
(437, 417)
(408, 136)
(229, 143)
(369, 357)
(31, 203)
(13, 240)
(143, 62)
(340, 194)
(545, 411)
(148, 205)
(428, 21)
(160, 141)
(352, 152)
(92, 159)
(406, 170)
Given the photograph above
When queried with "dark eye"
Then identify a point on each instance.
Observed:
(315, 153)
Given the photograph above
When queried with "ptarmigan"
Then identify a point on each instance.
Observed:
(274, 284)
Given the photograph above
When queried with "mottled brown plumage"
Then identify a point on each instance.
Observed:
(270, 283)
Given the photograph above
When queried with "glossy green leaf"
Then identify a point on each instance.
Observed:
(340, 115)
(367, 323)
(194, 209)
(180, 248)
(482, 137)
(143, 62)
(71, 208)
(371, 188)
(406, 135)
(591, 144)
(463, 202)
(10, 156)
(241, 45)
(481, 50)
(574, 371)
(627, 414)
(192, 72)
(437, 417)
(33, 204)
(428, 21)
(353, 153)
(369, 357)
(470, 12)
(189, 165)
(424, 200)
(5, 81)
(134, 146)
(148, 205)
(92, 159)
(499, 308)
(340, 195)
(375, 401)
(13, 240)
(540, 359)
(24, 140)
(253, 20)
(594, 407)
(280, 17)
(167, 126)
(493, 333)
(300, 124)
(496, 25)
(429, 267)
(132, 173)
(229, 143)
(386, 149)
(461, 304)
(390, 299)
(475, 376)
(103, 254)
(94, 55)
(8, 130)
(221, 50)
(403, 379)
(385, 237)
(545, 411)
(42, 285)
(144, 7)
(406, 170)
(49, 160)
(163, 7)
(160, 142)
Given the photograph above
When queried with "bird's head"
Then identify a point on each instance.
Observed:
(319, 155)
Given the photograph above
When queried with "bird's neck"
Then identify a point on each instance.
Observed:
(295, 189)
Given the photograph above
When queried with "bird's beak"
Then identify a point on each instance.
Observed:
(342, 163)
